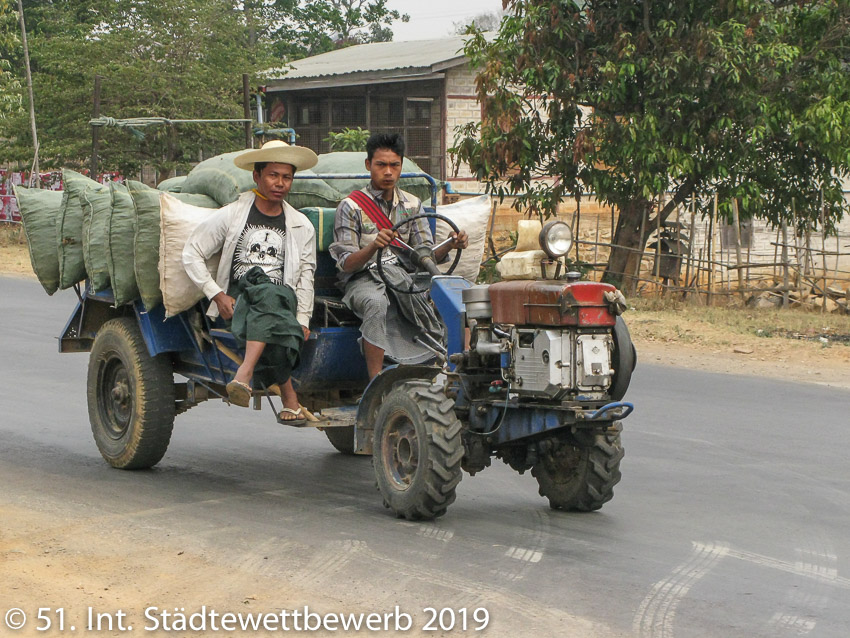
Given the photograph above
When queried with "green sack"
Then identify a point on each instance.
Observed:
(39, 212)
(69, 230)
(122, 224)
(219, 178)
(312, 193)
(323, 221)
(172, 184)
(355, 162)
(96, 201)
(146, 242)
(196, 199)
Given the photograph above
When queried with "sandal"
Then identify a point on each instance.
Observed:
(297, 417)
(239, 393)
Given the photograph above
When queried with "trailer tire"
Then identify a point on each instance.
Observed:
(341, 438)
(581, 478)
(131, 397)
(417, 450)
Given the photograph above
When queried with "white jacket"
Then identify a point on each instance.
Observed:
(220, 232)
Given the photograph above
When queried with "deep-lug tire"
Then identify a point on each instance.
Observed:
(417, 451)
(130, 397)
(581, 479)
(341, 438)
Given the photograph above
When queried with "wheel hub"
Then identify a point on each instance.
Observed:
(401, 452)
(116, 403)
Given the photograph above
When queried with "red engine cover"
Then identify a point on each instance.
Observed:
(551, 303)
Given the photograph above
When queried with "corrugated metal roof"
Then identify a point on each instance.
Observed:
(376, 57)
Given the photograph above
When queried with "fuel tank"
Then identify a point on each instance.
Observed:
(551, 303)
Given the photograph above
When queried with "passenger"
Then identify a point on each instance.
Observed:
(387, 325)
(264, 282)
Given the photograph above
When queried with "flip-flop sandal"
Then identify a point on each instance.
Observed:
(298, 414)
(239, 393)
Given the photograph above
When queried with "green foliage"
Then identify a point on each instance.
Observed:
(749, 99)
(301, 28)
(11, 99)
(349, 139)
(166, 58)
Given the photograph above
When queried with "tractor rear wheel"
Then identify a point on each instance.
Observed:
(581, 478)
(417, 450)
(130, 397)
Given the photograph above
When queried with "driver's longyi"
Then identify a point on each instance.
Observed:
(357, 240)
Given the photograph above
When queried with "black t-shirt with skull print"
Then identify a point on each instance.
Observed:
(260, 244)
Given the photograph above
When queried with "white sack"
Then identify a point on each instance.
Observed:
(177, 221)
(471, 215)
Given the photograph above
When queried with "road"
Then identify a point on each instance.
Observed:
(732, 517)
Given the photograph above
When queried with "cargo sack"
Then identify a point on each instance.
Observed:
(312, 193)
(146, 242)
(195, 199)
(122, 223)
(355, 162)
(69, 230)
(473, 216)
(96, 202)
(219, 178)
(177, 221)
(323, 221)
(172, 184)
(39, 213)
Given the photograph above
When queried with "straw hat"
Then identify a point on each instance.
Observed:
(277, 151)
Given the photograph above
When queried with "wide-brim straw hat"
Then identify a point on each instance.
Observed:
(280, 152)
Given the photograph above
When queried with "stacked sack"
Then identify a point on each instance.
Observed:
(124, 237)
(108, 233)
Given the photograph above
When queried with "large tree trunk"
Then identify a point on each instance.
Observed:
(628, 242)
(634, 227)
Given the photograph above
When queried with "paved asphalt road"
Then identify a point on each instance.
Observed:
(732, 519)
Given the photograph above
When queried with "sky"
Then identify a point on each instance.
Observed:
(431, 19)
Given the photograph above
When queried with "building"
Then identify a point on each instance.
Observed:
(423, 89)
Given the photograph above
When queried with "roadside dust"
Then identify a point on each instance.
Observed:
(680, 340)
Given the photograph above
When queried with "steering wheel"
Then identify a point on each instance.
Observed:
(422, 257)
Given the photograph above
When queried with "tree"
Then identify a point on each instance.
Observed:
(631, 99)
(483, 22)
(178, 60)
(10, 87)
(301, 28)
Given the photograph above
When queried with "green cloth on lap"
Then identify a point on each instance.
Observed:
(265, 312)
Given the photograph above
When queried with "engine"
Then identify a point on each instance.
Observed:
(552, 340)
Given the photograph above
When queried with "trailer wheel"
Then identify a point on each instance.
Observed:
(341, 438)
(417, 450)
(130, 397)
(581, 478)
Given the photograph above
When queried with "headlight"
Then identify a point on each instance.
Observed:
(556, 239)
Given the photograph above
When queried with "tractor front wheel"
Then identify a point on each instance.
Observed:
(417, 450)
(581, 478)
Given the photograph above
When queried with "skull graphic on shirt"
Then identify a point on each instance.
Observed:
(260, 246)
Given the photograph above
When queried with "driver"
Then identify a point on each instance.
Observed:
(388, 325)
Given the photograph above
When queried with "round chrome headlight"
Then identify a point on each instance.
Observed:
(556, 239)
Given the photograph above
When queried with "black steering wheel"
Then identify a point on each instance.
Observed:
(422, 257)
